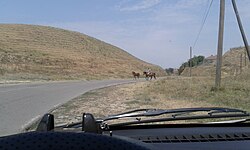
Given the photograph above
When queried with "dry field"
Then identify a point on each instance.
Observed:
(167, 93)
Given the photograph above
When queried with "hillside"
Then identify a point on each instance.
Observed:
(230, 64)
(47, 53)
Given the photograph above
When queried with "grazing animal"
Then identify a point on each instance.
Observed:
(136, 75)
(149, 75)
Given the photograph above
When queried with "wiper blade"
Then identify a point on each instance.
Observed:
(175, 112)
(175, 115)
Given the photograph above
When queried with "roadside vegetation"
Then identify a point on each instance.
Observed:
(168, 93)
(235, 91)
(234, 61)
(195, 61)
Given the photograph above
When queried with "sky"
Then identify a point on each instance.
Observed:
(157, 31)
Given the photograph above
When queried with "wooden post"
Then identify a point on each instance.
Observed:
(241, 59)
(241, 28)
(245, 57)
(190, 65)
(220, 44)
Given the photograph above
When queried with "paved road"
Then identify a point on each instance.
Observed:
(22, 103)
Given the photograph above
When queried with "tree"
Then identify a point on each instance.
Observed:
(169, 70)
(195, 61)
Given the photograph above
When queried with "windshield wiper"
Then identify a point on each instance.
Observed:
(175, 114)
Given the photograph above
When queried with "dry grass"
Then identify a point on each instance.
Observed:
(28, 51)
(118, 99)
(167, 93)
(230, 64)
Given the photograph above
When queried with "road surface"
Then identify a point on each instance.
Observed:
(22, 103)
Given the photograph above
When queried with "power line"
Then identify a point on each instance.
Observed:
(203, 22)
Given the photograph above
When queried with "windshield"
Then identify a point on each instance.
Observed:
(109, 57)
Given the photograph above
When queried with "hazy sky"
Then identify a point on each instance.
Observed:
(157, 31)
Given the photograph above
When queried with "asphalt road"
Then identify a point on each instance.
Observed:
(22, 103)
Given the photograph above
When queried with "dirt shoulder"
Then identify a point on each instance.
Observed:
(117, 99)
(166, 93)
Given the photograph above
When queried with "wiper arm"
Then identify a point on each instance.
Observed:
(175, 112)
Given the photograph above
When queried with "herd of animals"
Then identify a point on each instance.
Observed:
(148, 75)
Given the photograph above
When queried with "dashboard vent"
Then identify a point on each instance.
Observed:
(194, 138)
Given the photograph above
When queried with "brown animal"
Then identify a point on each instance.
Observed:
(149, 75)
(136, 75)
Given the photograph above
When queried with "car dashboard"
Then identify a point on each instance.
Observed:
(190, 137)
(99, 134)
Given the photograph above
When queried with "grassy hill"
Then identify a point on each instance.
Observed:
(47, 53)
(230, 64)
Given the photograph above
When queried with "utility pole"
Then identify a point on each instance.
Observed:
(241, 28)
(190, 65)
(220, 44)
